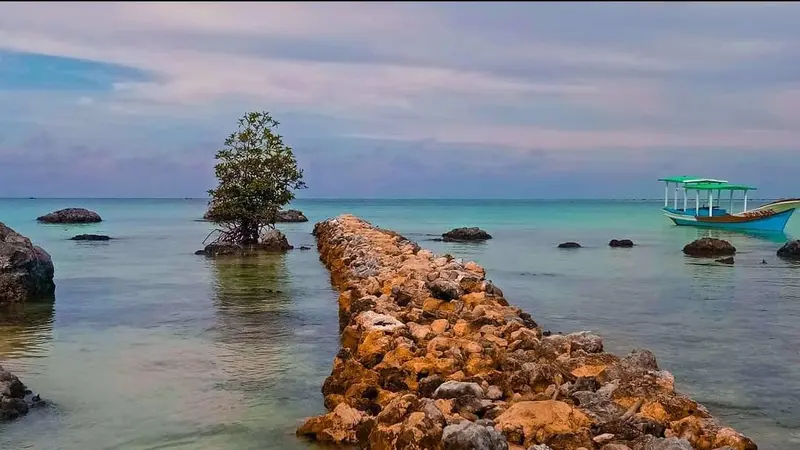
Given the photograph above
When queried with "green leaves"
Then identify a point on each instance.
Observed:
(257, 175)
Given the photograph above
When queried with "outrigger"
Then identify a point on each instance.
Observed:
(772, 216)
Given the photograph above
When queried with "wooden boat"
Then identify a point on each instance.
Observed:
(772, 216)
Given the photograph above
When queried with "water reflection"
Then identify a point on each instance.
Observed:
(252, 297)
(777, 237)
(26, 329)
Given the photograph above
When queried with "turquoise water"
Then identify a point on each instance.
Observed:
(150, 347)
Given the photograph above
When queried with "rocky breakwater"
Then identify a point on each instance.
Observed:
(434, 357)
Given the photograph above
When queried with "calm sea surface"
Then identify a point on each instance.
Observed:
(150, 347)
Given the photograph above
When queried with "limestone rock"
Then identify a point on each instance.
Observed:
(471, 436)
(455, 389)
(338, 426)
(26, 270)
(71, 215)
(709, 248)
(532, 422)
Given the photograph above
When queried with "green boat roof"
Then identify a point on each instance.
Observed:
(691, 179)
(702, 186)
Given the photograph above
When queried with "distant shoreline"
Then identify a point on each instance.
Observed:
(327, 199)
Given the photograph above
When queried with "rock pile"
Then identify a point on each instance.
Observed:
(71, 215)
(15, 398)
(271, 240)
(26, 270)
(434, 357)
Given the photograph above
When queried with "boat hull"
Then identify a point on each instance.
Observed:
(770, 217)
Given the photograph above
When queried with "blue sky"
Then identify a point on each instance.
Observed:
(507, 100)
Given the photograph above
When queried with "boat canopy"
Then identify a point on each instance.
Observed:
(690, 179)
(691, 183)
(703, 186)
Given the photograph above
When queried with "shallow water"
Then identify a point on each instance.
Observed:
(148, 346)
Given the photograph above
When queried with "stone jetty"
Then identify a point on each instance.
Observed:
(434, 357)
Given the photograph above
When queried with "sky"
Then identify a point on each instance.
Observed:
(402, 100)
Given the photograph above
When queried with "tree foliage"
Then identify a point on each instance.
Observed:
(257, 175)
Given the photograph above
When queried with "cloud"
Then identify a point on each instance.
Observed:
(559, 81)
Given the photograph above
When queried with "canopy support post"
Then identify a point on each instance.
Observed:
(745, 201)
(697, 203)
(675, 199)
(666, 194)
(685, 200)
(710, 203)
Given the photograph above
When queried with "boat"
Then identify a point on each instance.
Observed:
(770, 217)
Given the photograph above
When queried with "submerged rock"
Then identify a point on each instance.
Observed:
(790, 250)
(26, 270)
(71, 215)
(621, 243)
(471, 234)
(728, 260)
(709, 248)
(291, 216)
(15, 398)
(569, 245)
(90, 237)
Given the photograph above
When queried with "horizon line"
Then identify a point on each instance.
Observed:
(372, 198)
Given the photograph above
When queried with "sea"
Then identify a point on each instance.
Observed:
(148, 346)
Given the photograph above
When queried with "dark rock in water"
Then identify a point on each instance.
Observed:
(709, 248)
(273, 241)
(728, 260)
(790, 250)
(15, 398)
(90, 237)
(569, 245)
(71, 215)
(269, 241)
(26, 270)
(621, 243)
(472, 234)
(305, 247)
(291, 216)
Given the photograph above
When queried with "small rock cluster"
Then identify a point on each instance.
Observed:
(15, 398)
(434, 357)
(26, 270)
(71, 215)
(90, 237)
(270, 241)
